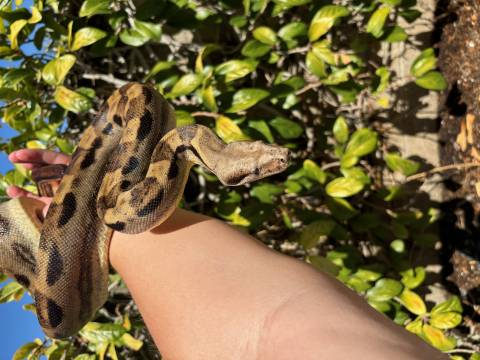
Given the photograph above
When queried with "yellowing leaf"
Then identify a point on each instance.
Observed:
(343, 187)
(15, 29)
(94, 7)
(235, 69)
(132, 343)
(35, 144)
(71, 100)
(377, 21)
(446, 320)
(54, 72)
(228, 130)
(265, 35)
(413, 302)
(324, 19)
(86, 36)
(437, 338)
(36, 16)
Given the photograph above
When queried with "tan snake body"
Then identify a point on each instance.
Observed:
(127, 174)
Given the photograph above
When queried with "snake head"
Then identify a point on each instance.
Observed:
(259, 160)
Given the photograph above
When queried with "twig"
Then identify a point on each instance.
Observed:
(107, 78)
(462, 351)
(308, 87)
(441, 169)
(298, 50)
(331, 165)
(205, 114)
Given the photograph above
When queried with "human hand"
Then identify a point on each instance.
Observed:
(34, 159)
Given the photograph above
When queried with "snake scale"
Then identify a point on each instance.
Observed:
(127, 174)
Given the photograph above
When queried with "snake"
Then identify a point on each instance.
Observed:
(127, 174)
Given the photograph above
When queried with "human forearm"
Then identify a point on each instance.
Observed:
(207, 290)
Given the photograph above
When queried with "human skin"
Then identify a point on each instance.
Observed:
(209, 291)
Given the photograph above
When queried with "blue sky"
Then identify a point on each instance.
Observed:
(17, 326)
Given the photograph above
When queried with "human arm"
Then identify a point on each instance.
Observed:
(207, 290)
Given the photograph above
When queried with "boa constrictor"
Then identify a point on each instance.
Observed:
(127, 174)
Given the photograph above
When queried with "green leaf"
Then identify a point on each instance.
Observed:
(321, 49)
(255, 48)
(340, 208)
(94, 7)
(292, 30)
(340, 130)
(86, 36)
(266, 192)
(398, 246)
(323, 264)
(282, 5)
(184, 118)
(228, 130)
(324, 19)
(357, 173)
(262, 127)
(54, 72)
(398, 164)
(158, 67)
(377, 21)
(344, 187)
(23, 352)
(395, 34)
(314, 172)
(452, 304)
(384, 290)
(315, 65)
(445, 320)
(140, 33)
(432, 80)
(11, 291)
(413, 302)
(71, 100)
(265, 35)
(423, 63)
(235, 69)
(362, 142)
(391, 2)
(316, 232)
(244, 99)
(413, 277)
(287, 129)
(186, 84)
(384, 77)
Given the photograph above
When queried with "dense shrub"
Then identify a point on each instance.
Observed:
(302, 73)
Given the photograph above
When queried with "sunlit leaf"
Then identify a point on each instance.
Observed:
(432, 80)
(228, 130)
(71, 100)
(86, 36)
(344, 187)
(55, 71)
(244, 99)
(324, 19)
(94, 7)
(413, 302)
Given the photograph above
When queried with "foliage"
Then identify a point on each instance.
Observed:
(293, 72)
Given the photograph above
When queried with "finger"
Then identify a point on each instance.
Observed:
(37, 156)
(15, 191)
